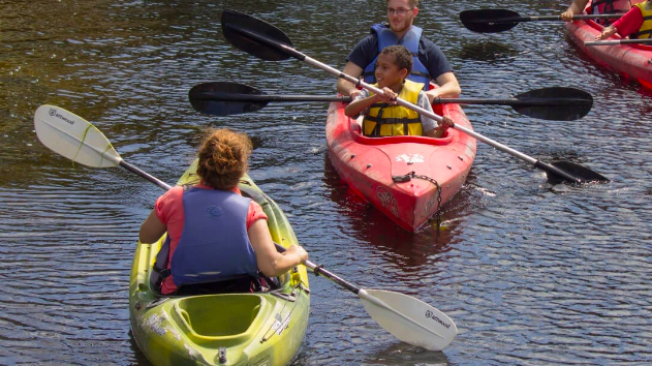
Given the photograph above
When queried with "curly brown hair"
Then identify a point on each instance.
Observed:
(223, 156)
(402, 57)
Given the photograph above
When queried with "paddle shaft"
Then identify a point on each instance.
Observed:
(345, 99)
(619, 41)
(270, 97)
(320, 271)
(534, 18)
(302, 57)
(144, 174)
(513, 101)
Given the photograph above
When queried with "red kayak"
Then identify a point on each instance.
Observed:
(632, 61)
(399, 175)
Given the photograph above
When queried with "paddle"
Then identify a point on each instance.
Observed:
(407, 318)
(225, 98)
(619, 41)
(73, 137)
(500, 20)
(553, 104)
(269, 43)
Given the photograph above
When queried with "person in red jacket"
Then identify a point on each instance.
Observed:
(597, 7)
(636, 23)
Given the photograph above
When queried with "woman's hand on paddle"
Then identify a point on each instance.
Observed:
(606, 33)
(299, 252)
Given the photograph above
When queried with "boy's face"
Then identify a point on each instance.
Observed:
(387, 72)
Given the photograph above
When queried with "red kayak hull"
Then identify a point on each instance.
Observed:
(367, 165)
(633, 62)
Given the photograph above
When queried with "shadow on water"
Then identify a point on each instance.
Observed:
(405, 354)
(489, 51)
(410, 250)
(138, 355)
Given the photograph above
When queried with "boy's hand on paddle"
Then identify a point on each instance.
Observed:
(388, 96)
(446, 122)
(354, 93)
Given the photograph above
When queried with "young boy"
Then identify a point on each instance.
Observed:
(383, 116)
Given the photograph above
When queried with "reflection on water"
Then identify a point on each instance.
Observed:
(492, 52)
(533, 274)
(408, 251)
(402, 354)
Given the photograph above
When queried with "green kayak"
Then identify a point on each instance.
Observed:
(262, 329)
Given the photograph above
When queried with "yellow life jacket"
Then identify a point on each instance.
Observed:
(645, 31)
(394, 120)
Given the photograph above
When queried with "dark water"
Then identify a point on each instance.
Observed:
(532, 274)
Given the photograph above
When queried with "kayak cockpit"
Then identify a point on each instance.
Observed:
(355, 127)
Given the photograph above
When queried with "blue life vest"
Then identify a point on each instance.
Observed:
(214, 244)
(411, 39)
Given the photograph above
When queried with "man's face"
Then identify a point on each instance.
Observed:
(400, 15)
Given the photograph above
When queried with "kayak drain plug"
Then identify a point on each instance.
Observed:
(221, 354)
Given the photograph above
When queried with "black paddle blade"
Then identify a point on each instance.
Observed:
(489, 20)
(216, 98)
(581, 173)
(236, 26)
(555, 104)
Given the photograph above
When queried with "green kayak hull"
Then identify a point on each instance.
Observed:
(261, 329)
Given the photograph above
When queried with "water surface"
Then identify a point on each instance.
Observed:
(533, 274)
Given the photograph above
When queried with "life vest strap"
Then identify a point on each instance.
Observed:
(643, 33)
(392, 121)
(415, 73)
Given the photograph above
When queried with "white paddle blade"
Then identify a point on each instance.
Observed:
(71, 136)
(409, 319)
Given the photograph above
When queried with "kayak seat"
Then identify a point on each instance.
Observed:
(245, 284)
(242, 284)
(204, 325)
